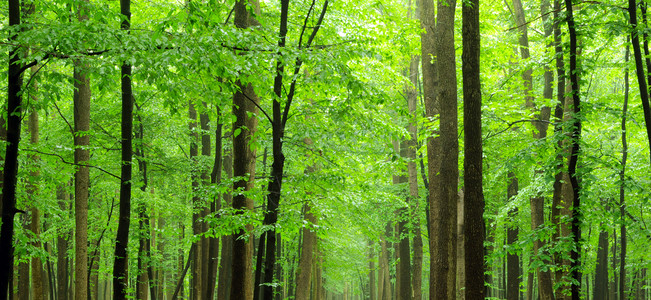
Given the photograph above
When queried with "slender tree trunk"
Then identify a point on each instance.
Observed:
(303, 275)
(35, 227)
(512, 259)
(62, 245)
(371, 271)
(622, 190)
(145, 277)
(475, 232)
(639, 66)
(213, 242)
(204, 206)
(120, 266)
(225, 263)
(197, 262)
(445, 210)
(574, 156)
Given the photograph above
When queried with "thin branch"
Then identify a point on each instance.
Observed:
(512, 124)
(72, 131)
(72, 163)
(258, 106)
(307, 17)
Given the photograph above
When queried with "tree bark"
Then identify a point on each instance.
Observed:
(35, 220)
(429, 65)
(225, 263)
(475, 232)
(445, 210)
(62, 245)
(197, 205)
(639, 67)
(600, 291)
(574, 156)
(120, 265)
(14, 115)
(215, 179)
(244, 128)
(304, 272)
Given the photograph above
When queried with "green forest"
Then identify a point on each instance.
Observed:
(325, 149)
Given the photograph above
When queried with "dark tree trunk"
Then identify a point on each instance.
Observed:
(14, 104)
(600, 291)
(197, 205)
(120, 266)
(225, 263)
(574, 156)
(474, 227)
(642, 80)
(512, 259)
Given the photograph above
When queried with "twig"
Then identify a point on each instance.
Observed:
(72, 163)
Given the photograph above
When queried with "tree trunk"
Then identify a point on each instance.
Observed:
(82, 97)
(574, 156)
(303, 274)
(445, 210)
(475, 232)
(622, 190)
(14, 115)
(512, 259)
(245, 126)
(62, 245)
(120, 266)
(35, 220)
(204, 207)
(225, 263)
(213, 242)
(639, 65)
(429, 65)
(197, 205)
(600, 291)
(371, 271)
(145, 279)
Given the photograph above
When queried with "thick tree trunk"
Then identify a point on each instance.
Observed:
(14, 110)
(445, 210)
(304, 275)
(244, 109)
(120, 266)
(475, 232)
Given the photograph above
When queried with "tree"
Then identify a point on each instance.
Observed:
(120, 267)
(474, 229)
(444, 218)
(14, 109)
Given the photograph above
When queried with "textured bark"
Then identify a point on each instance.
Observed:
(445, 210)
(145, 280)
(120, 265)
(430, 96)
(304, 272)
(244, 109)
(475, 232)
(82, 97)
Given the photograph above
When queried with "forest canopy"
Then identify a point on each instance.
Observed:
(316, 149)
